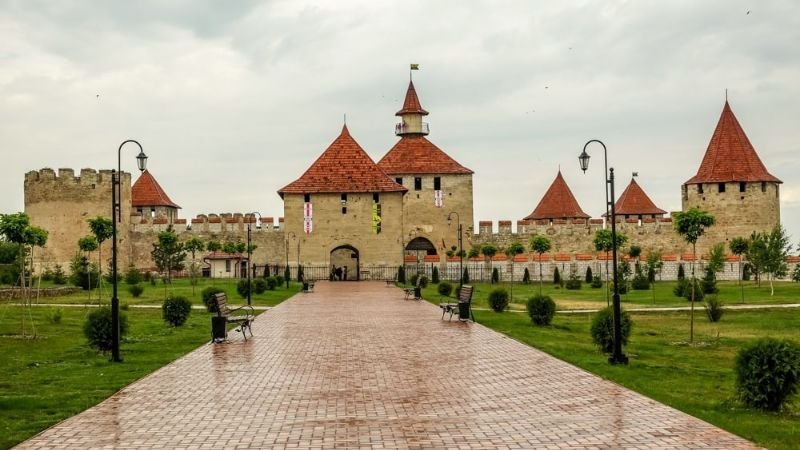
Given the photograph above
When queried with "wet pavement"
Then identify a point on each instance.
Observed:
(355, 366)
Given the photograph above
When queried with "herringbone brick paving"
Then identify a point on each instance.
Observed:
(355, 366)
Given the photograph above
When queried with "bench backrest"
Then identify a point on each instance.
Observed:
(222, 305)
(465, 294)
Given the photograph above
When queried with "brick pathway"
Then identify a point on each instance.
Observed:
(353, 365)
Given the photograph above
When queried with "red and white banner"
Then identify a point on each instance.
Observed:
(307, 216)
(438, 199)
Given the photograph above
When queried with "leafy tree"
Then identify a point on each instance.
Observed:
(603, 242)
(739, 246)
(716, 263)
(488, 251)
(213, 246)
(474, 252)
(634, 252)
(194, 245)
(540, 245)
(88, 244)
(691, 224)
(514, 249)
(16, 229)
(102, 229)
(169, 253)
(769, 252)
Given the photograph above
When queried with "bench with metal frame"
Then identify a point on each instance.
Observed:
(226, 314)
(463, 306)
(416, 291)
(308, 286)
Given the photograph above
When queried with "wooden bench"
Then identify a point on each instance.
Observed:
(413, 290)
(244, 321)
(308, 286)
(391, 281)
(464, 298)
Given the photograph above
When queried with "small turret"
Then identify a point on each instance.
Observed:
(411, 115)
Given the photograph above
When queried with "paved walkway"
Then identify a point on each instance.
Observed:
(353, 365)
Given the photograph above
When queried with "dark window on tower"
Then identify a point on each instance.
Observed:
(306, 198)
(700, 188)
(344, 199)
(376, 198)
(417, 183)
(763, 186)
(344, 209)
(721, 187)
(742, 187)
(399, 180)
(437, 183)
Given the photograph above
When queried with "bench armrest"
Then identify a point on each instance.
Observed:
(248, 308)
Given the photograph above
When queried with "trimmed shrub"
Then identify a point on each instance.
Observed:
(401, 274)
(709, 283)
(287, 274)
(59, 277)
(260, 285)
(279, 280)
(55, 316)
(640, 282)
(176, 310)
(133, 276)
(573, 283)
(422, 284)
(498, 300)
(747, 272)
(273, 282)
(681, 272)
(495, 275)
(243, 288)
(445, 288)
(465, 277)
(435, 275)
(596, 282)
(767, 373)
(208, 297)
(714, 308)
(541, 309)
(97, 328)
(135, 290)
(556, 276)
(589, 276)
(603, 328)
(526, 277)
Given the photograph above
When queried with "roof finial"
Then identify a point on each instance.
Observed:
(726, 95)
(345, 119)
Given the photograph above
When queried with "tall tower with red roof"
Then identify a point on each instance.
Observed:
(437, 185)
(148, 199)
(733, 184)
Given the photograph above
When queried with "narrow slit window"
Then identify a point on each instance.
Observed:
(418, 183)
(344, 199)
(721, 187)
(742, 187)
(700, 188)
(763, 186)
(437, 183)
(376, 198)
(306, 198)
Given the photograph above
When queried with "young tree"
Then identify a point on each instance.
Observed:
(654, 265)
(168, 254)
(603, 242)
(716, 263)
(511, 251)
(739, 246)
(770, 251)
(213, 246)
(194, 245)
(102, 229)
(635, 252)
(16, 229)
(88, 244)
(691, 224)
(488, 251)
(540, 245)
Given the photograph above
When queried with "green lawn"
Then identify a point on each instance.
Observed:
(697, 379)
(55, 375)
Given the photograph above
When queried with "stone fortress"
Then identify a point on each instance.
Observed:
(348, 211)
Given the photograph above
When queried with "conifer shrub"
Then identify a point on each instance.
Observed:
(287, 273)
(683, 288)
(526, 277)
(714, 308)
(47, 275)
(135, 290)
(596, 282)
(498, 300)
(603, 328)
(435, 275)
(495, 275)
(681, 272)
(767, 373)
(465, 277)
(589, 274)
(97, 328)
(175, 310)
(573, 283)
(259, 285)
(541, 309)
(401, 275)
(445, 288)
(133, 276)
(208, 297)
(59, 277)
(709, 282)
(556, 276)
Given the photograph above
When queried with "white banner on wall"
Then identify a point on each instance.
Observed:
(438, 199)
(307, 216)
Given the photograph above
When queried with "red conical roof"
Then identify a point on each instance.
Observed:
(730, 156)
(147, 192)
(416, 154)
(343, 167)
(558, 203)
(634, 201)
(411, 105)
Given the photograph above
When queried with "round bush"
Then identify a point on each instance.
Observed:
(541, 309)
(767, 373)
(243, 287)
(97, 328)
(445, 288)
(273, 282)
(498, 300)
(573, 283)
(176, 310)
(259, 285)
(135, 290)
(603, 328)
(208, 298)
(279, 280)
(596, 282)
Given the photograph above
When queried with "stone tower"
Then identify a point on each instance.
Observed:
(438, 186)
(733, 185)
(149, 200)
(558, 203)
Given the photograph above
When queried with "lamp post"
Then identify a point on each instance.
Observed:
(249, 254)
(617, 357)
(116, 215)
(287, 271)
(460, 248)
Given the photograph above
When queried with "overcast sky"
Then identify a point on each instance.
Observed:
(234, 100)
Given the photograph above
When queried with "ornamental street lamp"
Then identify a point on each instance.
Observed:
(287, 272)
(617, 357)
(250, 266)
(116, 215)
(460, 248)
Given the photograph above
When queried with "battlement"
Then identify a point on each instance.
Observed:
(207, 223)
(66, 177)
(46, 185)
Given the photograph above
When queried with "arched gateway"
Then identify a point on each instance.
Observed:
(345, 263)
